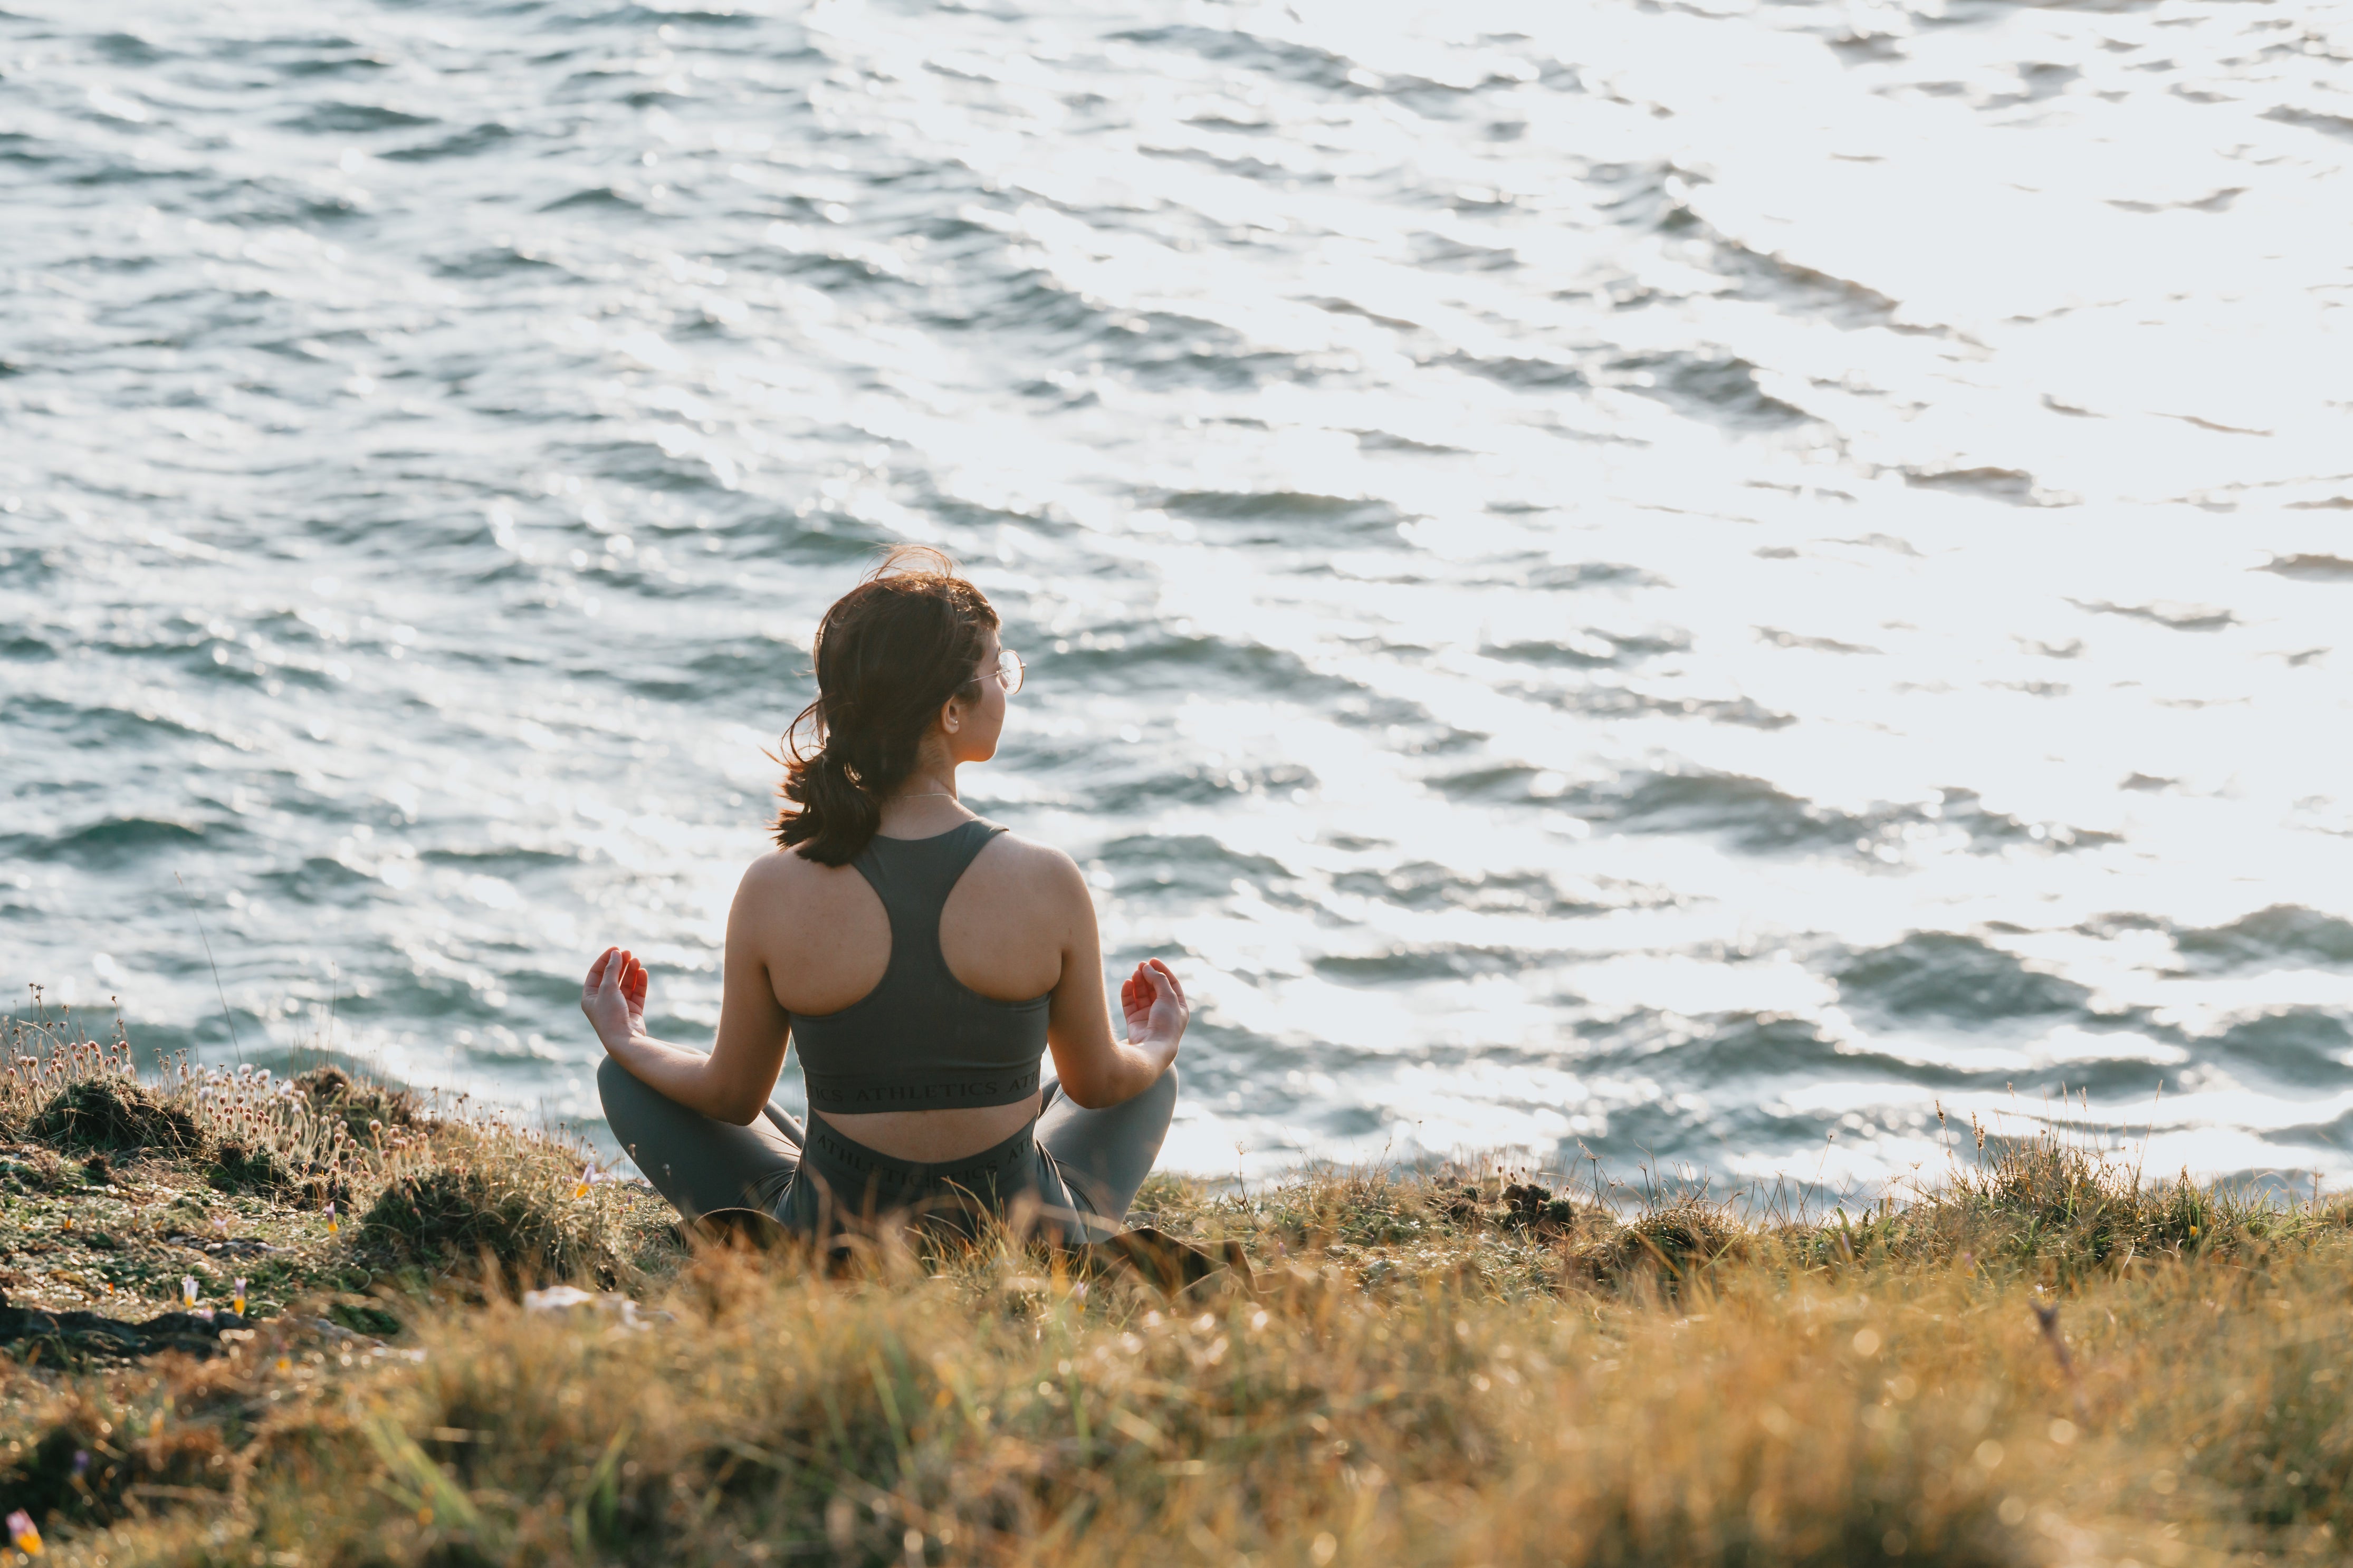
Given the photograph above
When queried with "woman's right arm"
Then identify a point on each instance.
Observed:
(734, 1081)
(1097, 1070)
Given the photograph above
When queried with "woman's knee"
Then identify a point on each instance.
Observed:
(633, 1108)
(615, 1084)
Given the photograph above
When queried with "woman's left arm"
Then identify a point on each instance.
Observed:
(731, 1084)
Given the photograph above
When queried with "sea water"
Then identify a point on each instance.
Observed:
(1691, 582)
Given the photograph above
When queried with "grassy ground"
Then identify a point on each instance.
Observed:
(2041, 1359)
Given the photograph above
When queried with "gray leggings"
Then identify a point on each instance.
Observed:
(701, 1165)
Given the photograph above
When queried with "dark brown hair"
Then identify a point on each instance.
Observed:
(888, 654)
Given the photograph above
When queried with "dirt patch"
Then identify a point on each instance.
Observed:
(80, 1339)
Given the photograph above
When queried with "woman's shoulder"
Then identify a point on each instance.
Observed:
(1042, 865)
(788, 871)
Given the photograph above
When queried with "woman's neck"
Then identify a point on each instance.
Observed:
(925, 803)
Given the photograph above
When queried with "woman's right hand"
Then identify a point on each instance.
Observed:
(1156, 1008)
(614, 997)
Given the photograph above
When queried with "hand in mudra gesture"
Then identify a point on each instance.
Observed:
(1156, 1008)
(614, 997)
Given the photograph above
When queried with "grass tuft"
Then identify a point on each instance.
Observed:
(1675, 1247)
(445, 1215)
(364, 1109)
(117, 1114)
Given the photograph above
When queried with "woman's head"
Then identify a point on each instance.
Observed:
(902, 661)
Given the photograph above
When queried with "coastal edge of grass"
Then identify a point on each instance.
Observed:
(2040, 1358)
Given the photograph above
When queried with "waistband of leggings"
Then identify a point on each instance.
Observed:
(850, 1168)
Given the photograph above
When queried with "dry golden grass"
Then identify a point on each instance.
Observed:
(1427, 1377)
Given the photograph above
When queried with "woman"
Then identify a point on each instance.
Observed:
(923, 958)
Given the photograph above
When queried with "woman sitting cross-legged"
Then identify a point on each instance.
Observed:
(923, 958)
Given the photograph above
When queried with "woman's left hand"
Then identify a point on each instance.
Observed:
(614, 997)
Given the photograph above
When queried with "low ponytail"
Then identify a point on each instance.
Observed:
(889, 654)
(835, 818)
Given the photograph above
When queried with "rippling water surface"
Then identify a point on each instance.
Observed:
(1674, 579)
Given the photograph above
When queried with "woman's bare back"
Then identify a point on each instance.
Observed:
(1007, 931)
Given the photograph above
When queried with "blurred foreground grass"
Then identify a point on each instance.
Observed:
(2041, 1359)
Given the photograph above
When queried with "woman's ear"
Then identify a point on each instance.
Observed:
(952, 715)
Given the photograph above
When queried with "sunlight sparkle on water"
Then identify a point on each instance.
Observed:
(1659, 580)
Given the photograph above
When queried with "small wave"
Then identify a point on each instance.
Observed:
(2218, 427)
(101, 721)
(1818, 645)
(1408, 965)
(1426, 885)
(116, 842)
(1757, 816)
(482, 137)
(1753, 811)
(1894, 545)
(1776, 278)
(2276, 937)
(1589, 649)
(1197, 785)
(1589, 574)
(1957, 978)
(314, 58)
(502, 859)
(755, 664)
(2013, 485)
(2311, 568)
(319, 879)
(128, 49)
(1719, 386)
(2174, 618)
(262, 203)
(496, 261)
(1618, 702)
(1247, 165)
(637, 17)
(1504, 782)
(1587, 653)
(1324, 511)
(2299, 1047)
(1235, 47)
(2311, 120)
(1731, 1047)
(1387, 441)
(595, 197)
(353, 119)
(1523, 373)
(1186, 863)
(1154, 660)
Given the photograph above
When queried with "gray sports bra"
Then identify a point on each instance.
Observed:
(922, 1039)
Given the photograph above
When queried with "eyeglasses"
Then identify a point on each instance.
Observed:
(1010, 671)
